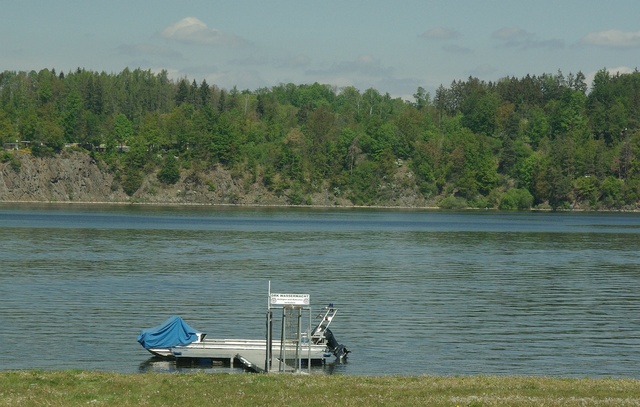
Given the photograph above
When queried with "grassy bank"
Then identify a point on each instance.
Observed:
(72, 388)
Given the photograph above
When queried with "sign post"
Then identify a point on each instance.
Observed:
(288, 302)
(281, 300)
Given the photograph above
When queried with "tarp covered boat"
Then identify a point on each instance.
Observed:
(172, 332)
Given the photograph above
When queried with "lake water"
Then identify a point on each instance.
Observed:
(418, 292)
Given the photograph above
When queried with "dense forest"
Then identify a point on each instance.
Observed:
(548, 141)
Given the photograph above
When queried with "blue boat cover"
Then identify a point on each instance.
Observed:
(173, 332)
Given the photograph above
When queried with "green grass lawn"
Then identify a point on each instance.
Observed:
(75, 388)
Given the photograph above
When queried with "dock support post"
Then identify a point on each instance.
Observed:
(283, 335)
(298, 334)
(268, 357)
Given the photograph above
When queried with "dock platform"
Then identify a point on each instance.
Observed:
(251, 354)
(253, 360)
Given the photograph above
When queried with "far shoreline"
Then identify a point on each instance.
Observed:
(328, 207)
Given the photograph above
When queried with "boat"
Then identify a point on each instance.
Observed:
(175, 339)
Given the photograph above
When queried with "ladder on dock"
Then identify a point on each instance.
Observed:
(325, 317)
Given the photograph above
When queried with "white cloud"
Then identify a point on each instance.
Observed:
(518, 38)
(172, 73)
(612, 71)
(613, 38)
(191, 30)
(440, 33)
(620, 70)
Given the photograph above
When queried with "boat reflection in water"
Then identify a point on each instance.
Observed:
(158, 364)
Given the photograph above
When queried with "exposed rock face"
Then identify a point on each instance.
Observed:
(72, 176)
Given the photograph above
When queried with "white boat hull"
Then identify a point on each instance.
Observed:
(231, 348)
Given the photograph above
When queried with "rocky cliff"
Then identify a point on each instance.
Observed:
(74, 176)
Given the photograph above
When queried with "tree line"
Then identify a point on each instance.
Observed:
(538, 141)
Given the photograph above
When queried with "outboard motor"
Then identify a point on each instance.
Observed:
(338, 350)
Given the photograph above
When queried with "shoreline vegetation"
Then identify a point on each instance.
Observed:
(547, 141)
(74, 388)
(287, 206)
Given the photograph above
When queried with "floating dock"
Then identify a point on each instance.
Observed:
(252, 354)
(294, 348)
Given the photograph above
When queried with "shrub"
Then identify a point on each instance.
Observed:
(132, 182)
(516, 198)
(12, 159)
(169, 173)
(42, 151)
(453, 202)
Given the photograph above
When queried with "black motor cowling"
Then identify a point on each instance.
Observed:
(338, 350)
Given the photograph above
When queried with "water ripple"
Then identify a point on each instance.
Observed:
(419, 293)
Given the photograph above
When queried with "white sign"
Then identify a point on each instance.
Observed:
(289, 299)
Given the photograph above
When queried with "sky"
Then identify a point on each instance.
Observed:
(391, 46)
